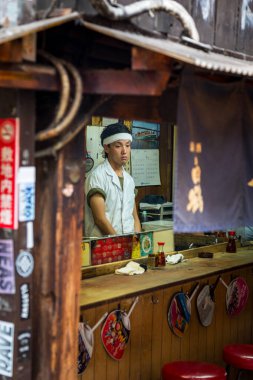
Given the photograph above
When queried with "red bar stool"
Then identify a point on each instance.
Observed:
(192, 370)
(239, 356)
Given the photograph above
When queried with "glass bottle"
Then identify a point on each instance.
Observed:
(161, 255)
(231, 245)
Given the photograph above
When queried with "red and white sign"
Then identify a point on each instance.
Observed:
(9, 162)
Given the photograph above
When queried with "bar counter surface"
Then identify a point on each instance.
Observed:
(98, 290)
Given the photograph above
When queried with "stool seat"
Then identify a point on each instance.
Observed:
(239, 356)
(192, 370)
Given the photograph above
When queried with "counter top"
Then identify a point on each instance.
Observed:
(97, 290)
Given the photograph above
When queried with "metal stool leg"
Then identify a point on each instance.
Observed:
(240, 371)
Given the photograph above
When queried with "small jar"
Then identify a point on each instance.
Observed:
(231, 245)
(152, 260)
(161, 255)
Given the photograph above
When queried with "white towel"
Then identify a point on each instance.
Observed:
(130, 269)
(174, 259)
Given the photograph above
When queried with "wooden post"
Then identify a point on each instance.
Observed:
(16, 247)
(59, 227)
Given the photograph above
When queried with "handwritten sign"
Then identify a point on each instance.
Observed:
(9, 161)
(6, 348)
(7, 273)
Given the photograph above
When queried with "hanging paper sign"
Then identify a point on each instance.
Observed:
(7, 273)
(26, 180)
(116, 331)
(9, 161)
(6, 348)
(179, 314)
(86, 343)
(236, 296)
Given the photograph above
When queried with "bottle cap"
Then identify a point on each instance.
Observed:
(160, 243)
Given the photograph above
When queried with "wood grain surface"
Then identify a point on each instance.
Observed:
(106, 288)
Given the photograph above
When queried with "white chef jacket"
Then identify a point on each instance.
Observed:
(119, 204)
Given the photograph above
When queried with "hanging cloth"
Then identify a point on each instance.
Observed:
(209, 174)
(247, 137)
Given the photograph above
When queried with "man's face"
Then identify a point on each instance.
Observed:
(118, 151)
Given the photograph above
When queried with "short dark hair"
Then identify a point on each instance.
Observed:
(112, 129)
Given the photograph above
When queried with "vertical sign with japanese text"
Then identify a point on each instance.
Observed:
(9, 161)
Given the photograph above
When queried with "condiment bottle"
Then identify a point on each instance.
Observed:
(231, 245)
(161, 255)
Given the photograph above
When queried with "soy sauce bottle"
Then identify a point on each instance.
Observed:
(161, 255)
(231, 245)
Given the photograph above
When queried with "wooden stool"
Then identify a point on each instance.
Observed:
(192, 370)
(239, 356)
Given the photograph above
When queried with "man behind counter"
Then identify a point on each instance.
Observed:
(110, 191)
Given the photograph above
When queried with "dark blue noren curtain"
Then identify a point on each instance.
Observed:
(214, 155)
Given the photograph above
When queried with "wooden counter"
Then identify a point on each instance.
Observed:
(97, 290)
(152, 343)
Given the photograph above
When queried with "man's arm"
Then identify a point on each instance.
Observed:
(137, 224)
(97, 205)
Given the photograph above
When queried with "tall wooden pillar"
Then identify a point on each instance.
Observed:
(17, 185)
(59, 225)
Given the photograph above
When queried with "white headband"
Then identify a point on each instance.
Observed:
(116, 137)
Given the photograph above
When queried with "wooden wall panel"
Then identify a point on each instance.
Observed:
(245, 27)
(203, 13)
(168, 24)
(152, 343)
(135, 341)
(226, 24)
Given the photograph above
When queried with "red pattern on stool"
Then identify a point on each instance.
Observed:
(192, 370)
(239, 356)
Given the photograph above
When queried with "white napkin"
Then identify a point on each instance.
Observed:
(174, 259)
(130, 269)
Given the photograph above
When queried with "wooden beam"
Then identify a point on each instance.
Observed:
(143, 59)
(97, 82)
(11, 51)
(150, 108)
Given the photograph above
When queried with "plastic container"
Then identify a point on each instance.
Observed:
(231, 245)
(161, 255)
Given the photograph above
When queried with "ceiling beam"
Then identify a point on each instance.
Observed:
(95, 82)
